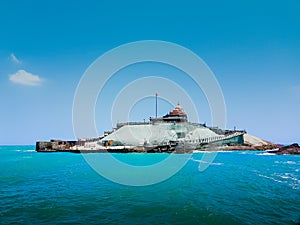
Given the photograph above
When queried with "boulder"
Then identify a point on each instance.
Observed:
(289, 149)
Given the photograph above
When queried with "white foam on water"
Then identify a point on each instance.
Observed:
(243, 153)
(290, 162)
(287, 178)
(287, 162)
(30, 150)
(271, 178)
(266, 153)
(283, 176)
(199, 151)
(225, 151)
(210, 163)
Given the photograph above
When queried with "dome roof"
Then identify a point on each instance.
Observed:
(178, 111)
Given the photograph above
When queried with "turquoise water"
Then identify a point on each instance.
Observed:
(238, 188)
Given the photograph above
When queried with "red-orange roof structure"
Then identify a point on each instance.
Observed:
(178, 111)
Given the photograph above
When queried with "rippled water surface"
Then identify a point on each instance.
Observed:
(237, 188)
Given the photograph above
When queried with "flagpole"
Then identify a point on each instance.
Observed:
(156, 104)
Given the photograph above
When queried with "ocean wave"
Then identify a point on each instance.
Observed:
(225, 151)
(271, 178)
(289, 162)
(243, 153)
(289, 179)
(266, 153)
(283, 176)
(205, 162)
(22, 150)
(201, 151)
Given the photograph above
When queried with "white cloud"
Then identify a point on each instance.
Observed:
(15, 59)
(25, 78)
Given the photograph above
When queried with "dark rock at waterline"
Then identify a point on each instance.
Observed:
(289, 149)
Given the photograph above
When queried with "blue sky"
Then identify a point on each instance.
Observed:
(253, 48)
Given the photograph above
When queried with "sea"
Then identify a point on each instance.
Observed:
(240, 187)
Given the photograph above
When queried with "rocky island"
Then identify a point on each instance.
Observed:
(293, 149)
(170, 133)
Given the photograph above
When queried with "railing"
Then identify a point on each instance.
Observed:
(119, 125)
(215, 138)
